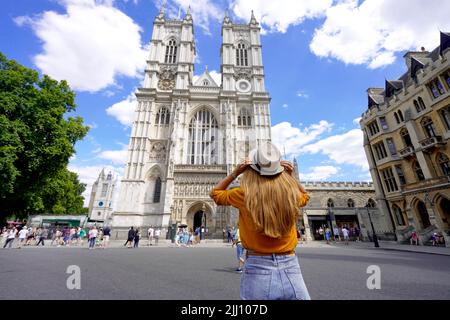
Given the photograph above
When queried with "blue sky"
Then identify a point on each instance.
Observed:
(320, 57)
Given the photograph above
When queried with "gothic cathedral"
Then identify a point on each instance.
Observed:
(188, 135)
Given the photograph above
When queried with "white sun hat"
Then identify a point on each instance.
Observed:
(266, 159)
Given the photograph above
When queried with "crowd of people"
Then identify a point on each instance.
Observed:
(339, 233)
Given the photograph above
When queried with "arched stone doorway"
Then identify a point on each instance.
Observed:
(199, 214)
(444, 211)
(422, 213)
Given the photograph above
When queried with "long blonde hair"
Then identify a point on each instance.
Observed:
(273, 202)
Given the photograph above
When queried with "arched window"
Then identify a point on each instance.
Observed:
(205, 82)
(162, 117)
(444, 164)
(406, 138)
(203, 139)
(396, 117)
(398, 215)
(418, 170)
(157, 191)
(428, 127)
(330, 203)
(445, 113)
(400, 115)
(422, 104)
(351, 203)
(371, 203)
(171, 52)
(244, 118)
(416, 105)
(241, 55)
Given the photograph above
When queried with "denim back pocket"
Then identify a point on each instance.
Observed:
(255, 283)
(298, 287)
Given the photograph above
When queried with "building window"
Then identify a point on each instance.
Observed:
(445, 113)
(205, 82)
(380, 150)
(444, 164)
(406, 138)
(419, 105)
(171, 52)
(398, 215)
(244, 118)
(104, 189)
(383, 123)
(330, 203)
(351, 203)
(428, 127)
(203, 139)
(418, 170)
(400, 174)
(373, 128)
(371, 203)
(162, 117)
(391, 146)
(400, 115)
(389, 180)
(157, 192)
(436, 87)
(396, 118)
(446, 77)
(241, 55)
(99, 213)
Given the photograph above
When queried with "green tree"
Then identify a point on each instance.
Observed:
(36, 141)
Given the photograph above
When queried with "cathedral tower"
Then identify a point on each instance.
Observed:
(102, 195)
(187, 136)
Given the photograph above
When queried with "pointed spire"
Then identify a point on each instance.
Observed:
(102, 174)
(206, 68)
(253, 19)
(226, 19)
(188, 16)
(162, 11)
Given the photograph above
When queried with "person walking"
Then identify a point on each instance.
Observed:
(106, 236)
(4, 236)
(137, 236)
(10, 238)
(42, 235)
(345, 234)
(92, 237)
(157, 235)
(269, 200)
(22, 237)
(336, 234)
(150, 234)
(130, 238)
(328, 235)
(239, 251)
(81, 236)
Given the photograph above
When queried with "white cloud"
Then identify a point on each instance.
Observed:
(292, 139)
(203, 11)
(89, 45)
(117, 157)
(373, 31)
(277, 16)
(346, 148)
(302, 94)
(285, 105)
(123, 110)
(319, 173)
(356, 121)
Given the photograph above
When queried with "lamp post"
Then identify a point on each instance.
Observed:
(375, 239)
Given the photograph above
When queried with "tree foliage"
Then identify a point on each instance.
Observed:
(36, 141)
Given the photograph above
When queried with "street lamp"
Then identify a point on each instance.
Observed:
(375, 239)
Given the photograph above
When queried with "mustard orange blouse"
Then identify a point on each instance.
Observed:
(250, 238)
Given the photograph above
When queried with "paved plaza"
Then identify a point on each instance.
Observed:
(207, 272)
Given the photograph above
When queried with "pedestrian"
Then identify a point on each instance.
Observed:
(75, 236)
(137, 236)
(414, 238)
(4, 236)
(345, 233)
(321, 233)
(150, 234)
(239, 251)
(66, 236)
(130, 238)
(72, 237)
(157, 235)
(22, 237)
(303, 234)
(31, 237)
(336, 234)
(58, 235)
(197, 235)
(328, 235)
(10, 238)
(81, 236)
(42, 235)
(106, 236)
(269, 200)
(92, 237)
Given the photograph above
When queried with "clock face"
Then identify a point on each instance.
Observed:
(243, 86)
(100, 204)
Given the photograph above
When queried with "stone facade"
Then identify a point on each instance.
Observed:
(102, 195)
(344, 203)
(407, 130)
(187, 135)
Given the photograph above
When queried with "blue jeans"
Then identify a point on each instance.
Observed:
(92, 242)
(273, 278)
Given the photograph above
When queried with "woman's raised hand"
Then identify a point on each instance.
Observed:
(242, 167)
(288, 166)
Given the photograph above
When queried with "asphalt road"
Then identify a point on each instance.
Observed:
(208, 273)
